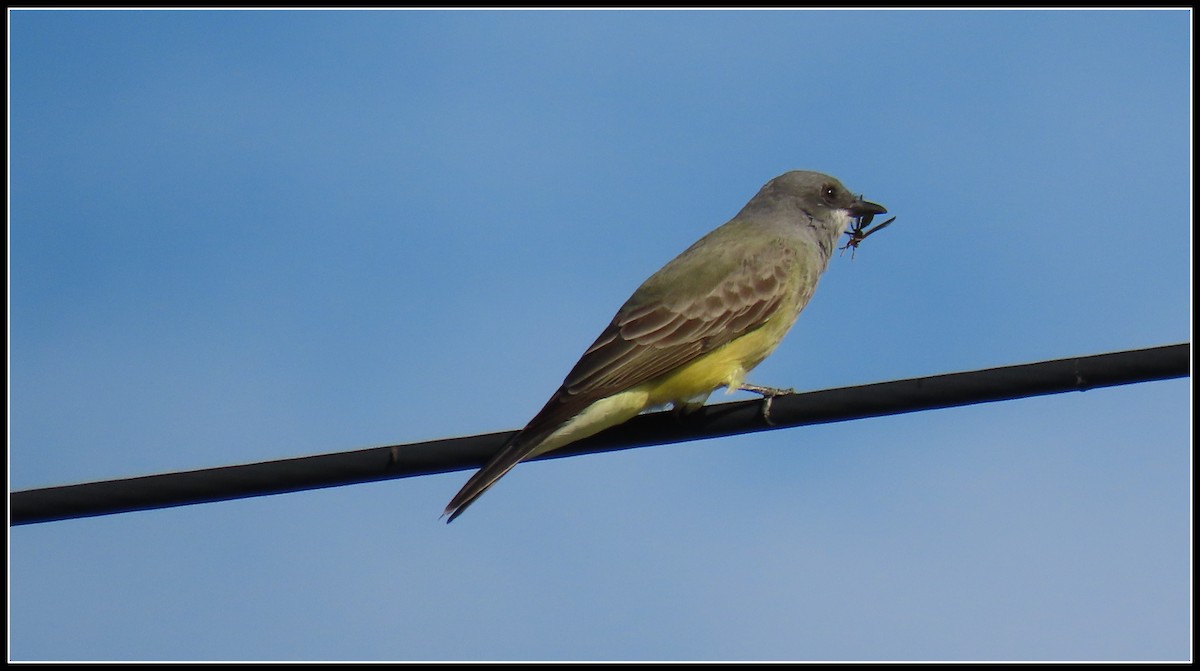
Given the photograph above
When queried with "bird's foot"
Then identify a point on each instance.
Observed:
(768, 394)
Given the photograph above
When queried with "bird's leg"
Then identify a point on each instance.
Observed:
(768, 394)
(683, 409)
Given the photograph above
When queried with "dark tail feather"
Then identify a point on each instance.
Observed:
(519, 447)
(475, 487)
(557, 412)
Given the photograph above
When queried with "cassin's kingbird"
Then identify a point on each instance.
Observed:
(700, 323)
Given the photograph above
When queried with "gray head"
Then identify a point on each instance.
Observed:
(821, 197)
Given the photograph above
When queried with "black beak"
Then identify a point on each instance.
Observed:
(862, 208)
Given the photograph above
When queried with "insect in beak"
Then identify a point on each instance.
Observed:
(859, 232)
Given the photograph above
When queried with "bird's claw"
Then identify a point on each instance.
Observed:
(768, 394)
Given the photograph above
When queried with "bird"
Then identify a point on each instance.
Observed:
(699, 323)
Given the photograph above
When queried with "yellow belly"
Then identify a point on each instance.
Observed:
(690, 384)
(725, 366)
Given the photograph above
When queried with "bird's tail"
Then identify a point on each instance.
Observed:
(527, 442)
(518, 447)
(563, 421)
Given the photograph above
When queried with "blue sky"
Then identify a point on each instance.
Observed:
(239, 236)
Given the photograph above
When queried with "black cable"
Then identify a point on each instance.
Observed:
(451, 454)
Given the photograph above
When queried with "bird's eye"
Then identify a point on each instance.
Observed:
(829, 192)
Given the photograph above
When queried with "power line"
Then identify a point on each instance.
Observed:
(723, 419)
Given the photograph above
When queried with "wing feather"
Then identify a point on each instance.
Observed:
(653, 334)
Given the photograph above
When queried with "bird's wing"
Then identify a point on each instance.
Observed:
(655, 332)
(652, 336)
